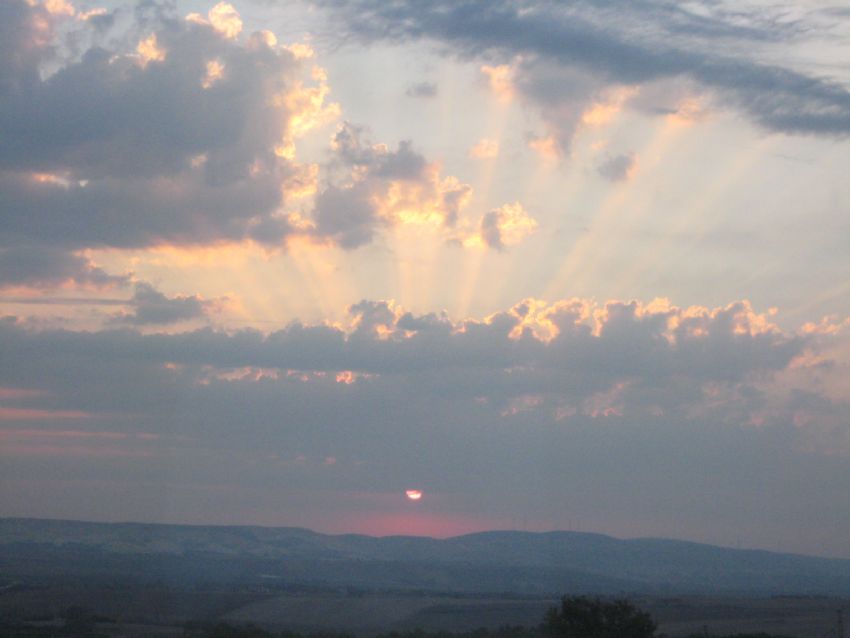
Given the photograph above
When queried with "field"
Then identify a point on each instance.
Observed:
(163, 612)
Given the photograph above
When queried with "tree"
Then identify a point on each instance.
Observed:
(580, 617)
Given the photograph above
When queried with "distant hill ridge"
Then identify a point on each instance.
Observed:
(498, 561)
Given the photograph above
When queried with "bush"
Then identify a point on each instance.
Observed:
(580, 617)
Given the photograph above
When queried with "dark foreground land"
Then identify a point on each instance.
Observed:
(152, 611)
(155, 580)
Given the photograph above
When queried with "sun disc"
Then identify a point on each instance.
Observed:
(413, 495)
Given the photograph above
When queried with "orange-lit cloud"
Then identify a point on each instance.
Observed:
(546, 147)
(605, 110)
(51, 179)
(308, 108)
(77, 434)
(537, 317)
(55, 7)
(59, 7)
(38, 414)
(92, 13)
(433, 201)
(829, 325)
(304, 182)
(149, 50)
(485, 148)
(301, 50)
(223, 17)
(215, 71)
(349, 377)
(19, 393)
(506, 226)
(376, 188)
(500, 80)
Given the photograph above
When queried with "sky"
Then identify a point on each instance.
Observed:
(580, 266)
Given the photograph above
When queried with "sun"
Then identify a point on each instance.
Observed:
(413, 495)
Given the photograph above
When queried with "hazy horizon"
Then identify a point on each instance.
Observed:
(423, 536)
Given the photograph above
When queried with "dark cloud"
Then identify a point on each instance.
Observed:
(622, 402)
(629, 343)
(22, 47)
(151, 307)
(134, 212)
(369, 316)
(422, 90)
(629, 408)
(346, 215)
(490, 231)
(616, 43)
(352, 150)
(561, 93)
(173, 143)
(109, 115)
(47, 267)
(616, 168)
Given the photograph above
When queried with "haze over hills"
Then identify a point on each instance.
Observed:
(487, 562)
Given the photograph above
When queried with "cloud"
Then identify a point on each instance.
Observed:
(559, 57)
(562, 95)
(618, 168)
(501, 80)
(538, 401)
(546, 147)
(177, 131)
(371, 187)
(422, 90)
(223, 17)
(567, 99)
(506, 226)
(25, 32)
(428, 383)
(347, 216)
(135, 212)
(151, 307)
(182, 131)
(353, 152)
(567, 349)
(485, 148)
(44, 266)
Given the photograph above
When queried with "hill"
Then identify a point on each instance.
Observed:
(523, 563)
